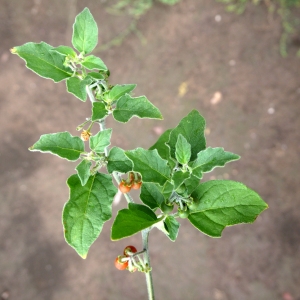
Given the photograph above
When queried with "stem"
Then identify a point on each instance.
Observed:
(90, 94)
(145, 232)
(79, 127)
(102, 127)
(115, 174)
(148, 273)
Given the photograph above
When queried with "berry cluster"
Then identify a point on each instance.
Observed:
(185, 204)
(131, 261)
(134, 182)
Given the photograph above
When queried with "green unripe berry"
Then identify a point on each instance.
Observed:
(166, 208)
(183, 213)
(193, 204)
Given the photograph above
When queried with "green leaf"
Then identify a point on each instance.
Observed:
(162, 227)
(172, 227)
(64, 50)
(191, 184)
(163, 149)
(210, 158)
(96, 75)
(182, 150)
(161, 146)
(167, 189)
(62, 144)
(120, 90)
(99, 111)
(179, 177)
(151, 195)
(192, 128)
(169, 2)
(77, 87)
(87, 209)
(127, 107)
(85, 32)
(118, 161)
(92, 62)
(42, 61)
(100, 141)
(83, 171)
(150, 165)
(132, 220)
(222, 203)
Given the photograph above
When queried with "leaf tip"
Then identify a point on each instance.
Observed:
(113, 237)
(83, 256)
(13, 50)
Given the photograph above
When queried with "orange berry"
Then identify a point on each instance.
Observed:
(136, 185)
(119, 264)
(85, 135)
(124, 187)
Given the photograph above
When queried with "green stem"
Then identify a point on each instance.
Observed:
(148, 273)
(115, 174)
(103, 127)
(145, 232)
(90, 94)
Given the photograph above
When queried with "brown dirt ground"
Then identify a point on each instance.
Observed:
(257, 117)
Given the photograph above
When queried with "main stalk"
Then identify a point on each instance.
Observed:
(145, 232)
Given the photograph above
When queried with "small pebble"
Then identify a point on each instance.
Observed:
(232, 62)
(207, 131)
(287, 296)
(219, 295)
(218, 18)
(5, 295)
(23, 187)
(226, 176)
(217, 97)
(4, 57)
(158, 130)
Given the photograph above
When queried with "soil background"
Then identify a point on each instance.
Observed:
(228, 69)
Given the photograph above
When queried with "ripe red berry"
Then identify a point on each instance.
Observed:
(124, 187)
(129, 250)
(119, 264)
(136, 185)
